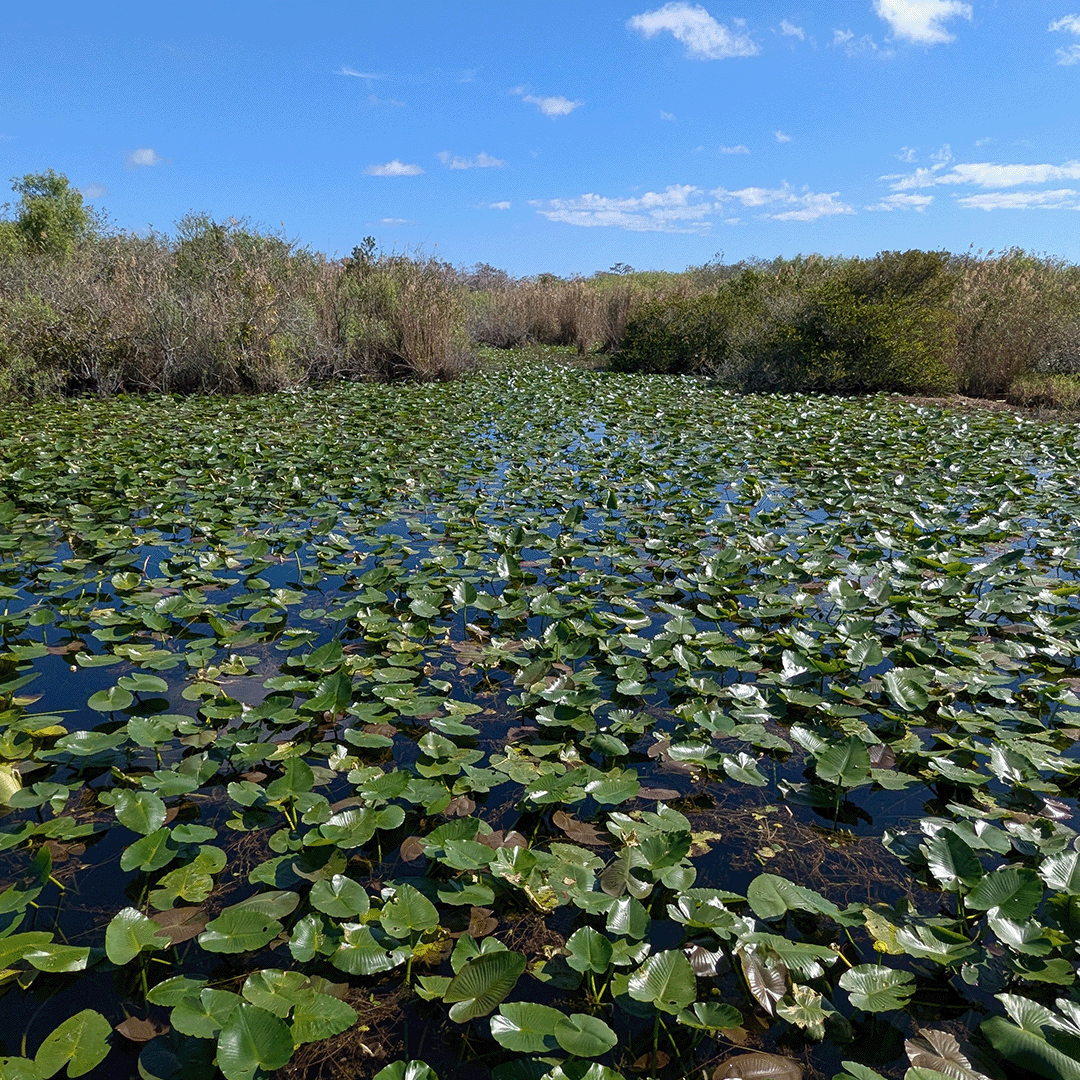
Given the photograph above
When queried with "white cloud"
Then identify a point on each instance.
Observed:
(985, 174)
(678, 209)
(780, 137)
(684, 208)
(94, 191)
(906, 155)
(374, 99)
(549, 106)
(1062, 199)
(481, 161)
(984, 141)
(145, 158)
(354, 74)
(785, 204)
(393, 221)
(393, 168)
(694, 27)
(789, 29)
(858, 46)
(1069, 23)
(942, 154)
(921, 21)
(504, 205)
(669, 116)
(903, 202)
(740, 149)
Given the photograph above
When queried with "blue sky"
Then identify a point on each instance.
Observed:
(564, 136)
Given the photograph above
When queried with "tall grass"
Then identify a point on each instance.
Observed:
(220, 308)
(224, 307)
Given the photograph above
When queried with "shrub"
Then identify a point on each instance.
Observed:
(690, 336)
(1014, 314)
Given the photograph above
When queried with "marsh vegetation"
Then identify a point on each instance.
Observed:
(545, 722)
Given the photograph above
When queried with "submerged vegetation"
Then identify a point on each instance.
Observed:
(543, 723)
(226, 307)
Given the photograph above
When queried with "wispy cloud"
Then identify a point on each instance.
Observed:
(787, 204)
(907, 154)
(694, 27)
(550, 106)
(677, 209)
(94, 191)
(374, 99)
(668, 116)
(1062, 199)
(789, 29)
(921, 21)
(684, 208)
(1069, 24)
(858, 46)
(393, 168)
(903, 202)
(393, 221)
(354, 74)
(984, 174)
(145, 158)
(740, 149)
(502, 205)
(481, 161)
(780, 137)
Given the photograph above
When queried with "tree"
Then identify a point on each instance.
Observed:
(52, 217)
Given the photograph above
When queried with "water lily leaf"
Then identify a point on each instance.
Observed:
(171, 992)
(408, 912)
(951, 861)
(141, 811)
(128, 933)
(758, 1066)
(360, 953)
(874, 988)
(115, 699)
(320, 1016)
(711, 1016)
(1011, 892)
(238, 931)
(406, 1070)
(339, 897)
(665, 981)
(846, 764)
(55, 958)
(526, 1028)
(81, 1043)
(584, 1035)
(251, 1039)
(1029, 1051)
(771, 896)
(1062, 872)
(939, 1050)
(274, 990)
(589, 950)
(483, 983)
(905, 688)
(768, 981)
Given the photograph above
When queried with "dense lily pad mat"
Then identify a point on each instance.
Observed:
(545, 723)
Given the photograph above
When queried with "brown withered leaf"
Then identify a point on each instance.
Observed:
(758, 1066)
(180, 924)
(650, 1061)
(481, 922)
(882, 756)
(412, 849)
(660, 794)
(582, 832)
(66, 649)
(141, 1031)
(501, 838)
(380, 729)
(460, 806)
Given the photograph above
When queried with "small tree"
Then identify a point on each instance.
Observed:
(52, 217)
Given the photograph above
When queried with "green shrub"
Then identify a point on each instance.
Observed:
(691, 336)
